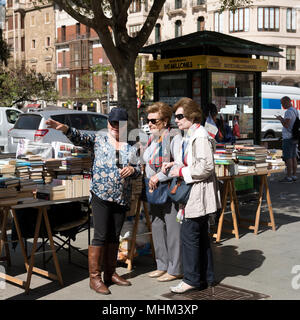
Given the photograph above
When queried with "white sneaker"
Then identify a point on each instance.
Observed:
(294, 178)
(182, 287)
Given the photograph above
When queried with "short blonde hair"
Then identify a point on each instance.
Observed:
(191, 109)
(164, 110)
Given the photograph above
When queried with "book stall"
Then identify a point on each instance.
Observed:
(233, 162)
(36, 180)
(39, 178)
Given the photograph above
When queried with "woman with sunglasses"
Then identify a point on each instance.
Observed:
(114, 163)
(194, 162)
(165, 228)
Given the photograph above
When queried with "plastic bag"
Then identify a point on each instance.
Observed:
(28, 147)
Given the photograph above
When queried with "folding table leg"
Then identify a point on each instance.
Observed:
(55, 259)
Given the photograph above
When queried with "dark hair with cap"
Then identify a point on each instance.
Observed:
(117, 114)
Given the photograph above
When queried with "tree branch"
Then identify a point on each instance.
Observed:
(67, 6)
(148, 26)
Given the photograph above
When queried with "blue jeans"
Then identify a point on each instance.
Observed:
(196, 251)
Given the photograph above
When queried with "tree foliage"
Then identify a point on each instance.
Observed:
(109, 19)
(19, 85)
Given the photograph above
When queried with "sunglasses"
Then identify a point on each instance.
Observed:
(179, 116)
(114, 124)
(153, 121)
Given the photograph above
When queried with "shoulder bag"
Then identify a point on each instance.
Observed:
(179, 191)
(158, 195)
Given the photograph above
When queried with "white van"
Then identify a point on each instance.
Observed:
(8, 118)
(271, 106)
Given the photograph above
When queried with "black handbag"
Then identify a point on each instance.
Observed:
(179, 191)
(158, 195)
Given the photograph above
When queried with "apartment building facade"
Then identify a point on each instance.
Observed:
(275, 23)
(30, 32)
(81, 70)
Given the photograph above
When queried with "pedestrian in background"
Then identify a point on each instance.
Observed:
(289, 145)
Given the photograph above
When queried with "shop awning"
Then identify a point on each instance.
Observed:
(210, 43)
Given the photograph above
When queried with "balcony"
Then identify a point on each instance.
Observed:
(176, 8)
(72, 37)
(198, 5)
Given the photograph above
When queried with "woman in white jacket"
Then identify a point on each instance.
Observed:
(195, 164)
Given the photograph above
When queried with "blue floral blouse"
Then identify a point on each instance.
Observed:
(106, 181)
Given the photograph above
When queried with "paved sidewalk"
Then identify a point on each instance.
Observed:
(268, 263)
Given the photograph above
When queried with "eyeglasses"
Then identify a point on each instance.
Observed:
(179, 116)
(153, 121)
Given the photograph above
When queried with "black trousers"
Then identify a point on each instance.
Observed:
(108, 219)
(196, 251)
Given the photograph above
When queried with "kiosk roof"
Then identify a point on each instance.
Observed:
(210, 42)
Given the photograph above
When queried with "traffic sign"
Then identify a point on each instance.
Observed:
(138, 102)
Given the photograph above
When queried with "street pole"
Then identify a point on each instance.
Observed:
(108, 107)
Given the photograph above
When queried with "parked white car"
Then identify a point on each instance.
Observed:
(32, 126)
(8, 118)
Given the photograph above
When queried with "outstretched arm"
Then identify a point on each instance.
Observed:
(76, 137)
(57, 125)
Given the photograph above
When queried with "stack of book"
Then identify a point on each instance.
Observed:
(50, 165)
(51, 192)
(71, 164)
(224, 159)
(251, 158)
(7, 167)
(8, 190)
(274, 160)
(22, 169)
(36, 168)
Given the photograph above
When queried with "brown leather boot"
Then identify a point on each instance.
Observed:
(110, 263)
(96, 254)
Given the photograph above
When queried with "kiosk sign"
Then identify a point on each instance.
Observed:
(207, 62)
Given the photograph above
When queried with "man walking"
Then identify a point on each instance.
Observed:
(289, 145)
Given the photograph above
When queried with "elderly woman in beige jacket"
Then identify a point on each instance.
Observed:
(194, 162)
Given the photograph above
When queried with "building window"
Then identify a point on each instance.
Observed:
(64, 86)
(200, 24)
(33, 44)
(291, 18)
(9, 3)
(178, 4)
(47, 17)
(63, 62)
(157, 33)
(32, 21)
(48, 67)
(77, 30)
(135, 6)
(48, 41)
(239, 20)
(273, 62)
(290, 58)
(63, 33)
(22, 44)
(22, 21)
(133, 30)
(88, 31)
(178, 29)
(268, 19)
(218, 21)
(199, 2)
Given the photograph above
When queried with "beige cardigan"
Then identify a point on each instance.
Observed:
(200, 170)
